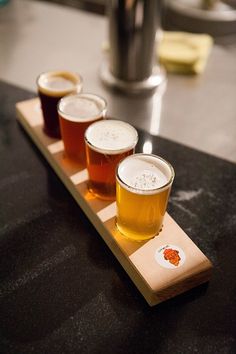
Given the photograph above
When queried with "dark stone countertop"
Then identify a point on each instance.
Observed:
(62, 290)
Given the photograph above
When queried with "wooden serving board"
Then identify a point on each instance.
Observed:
(157, 278)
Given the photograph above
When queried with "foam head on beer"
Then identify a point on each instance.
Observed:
(143, 186)
(111, 136)
(76, 113)
(82, 108)
(144, 173)
(107, 143)
(52, 86)
(59, 83)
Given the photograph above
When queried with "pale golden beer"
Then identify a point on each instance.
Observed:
(107, 143)
(76, 113)
(143, 183)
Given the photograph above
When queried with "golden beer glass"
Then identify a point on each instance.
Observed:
(143, 184)
(107, 143)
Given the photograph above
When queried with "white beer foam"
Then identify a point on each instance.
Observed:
(56, 83)
(59, 83)
(111, 136)
(144, 173)
(82, 107)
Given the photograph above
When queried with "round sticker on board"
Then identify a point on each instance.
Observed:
(170, 256)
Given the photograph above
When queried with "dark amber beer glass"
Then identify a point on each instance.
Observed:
(107, 143)
(76, 113)
(143, 185)
(52, 86)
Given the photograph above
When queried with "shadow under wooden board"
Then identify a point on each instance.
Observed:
(157, 275)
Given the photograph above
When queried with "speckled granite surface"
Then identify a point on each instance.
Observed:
(62, 290)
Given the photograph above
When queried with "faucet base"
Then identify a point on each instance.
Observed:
(147, 86)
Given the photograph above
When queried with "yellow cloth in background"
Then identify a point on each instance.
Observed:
(184, 53)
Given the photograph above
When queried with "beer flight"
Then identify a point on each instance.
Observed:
(140, 183)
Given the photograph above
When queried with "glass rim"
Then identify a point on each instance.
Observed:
(71, 117)
(141, 190)
(107, 150)
(79, 83)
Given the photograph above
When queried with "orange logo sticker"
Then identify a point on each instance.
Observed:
(170, 256)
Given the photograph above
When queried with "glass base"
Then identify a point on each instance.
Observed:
(52, 134)
(134, 239)
(101, 196)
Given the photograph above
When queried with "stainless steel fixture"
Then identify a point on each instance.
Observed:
(131, 65)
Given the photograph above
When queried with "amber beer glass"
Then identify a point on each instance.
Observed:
(76, 113)
(143, 184)
(52, 86)
(107, 143)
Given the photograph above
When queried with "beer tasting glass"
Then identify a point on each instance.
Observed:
(143, 183)
(107, 143)
(76, 113)
(52, 86)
